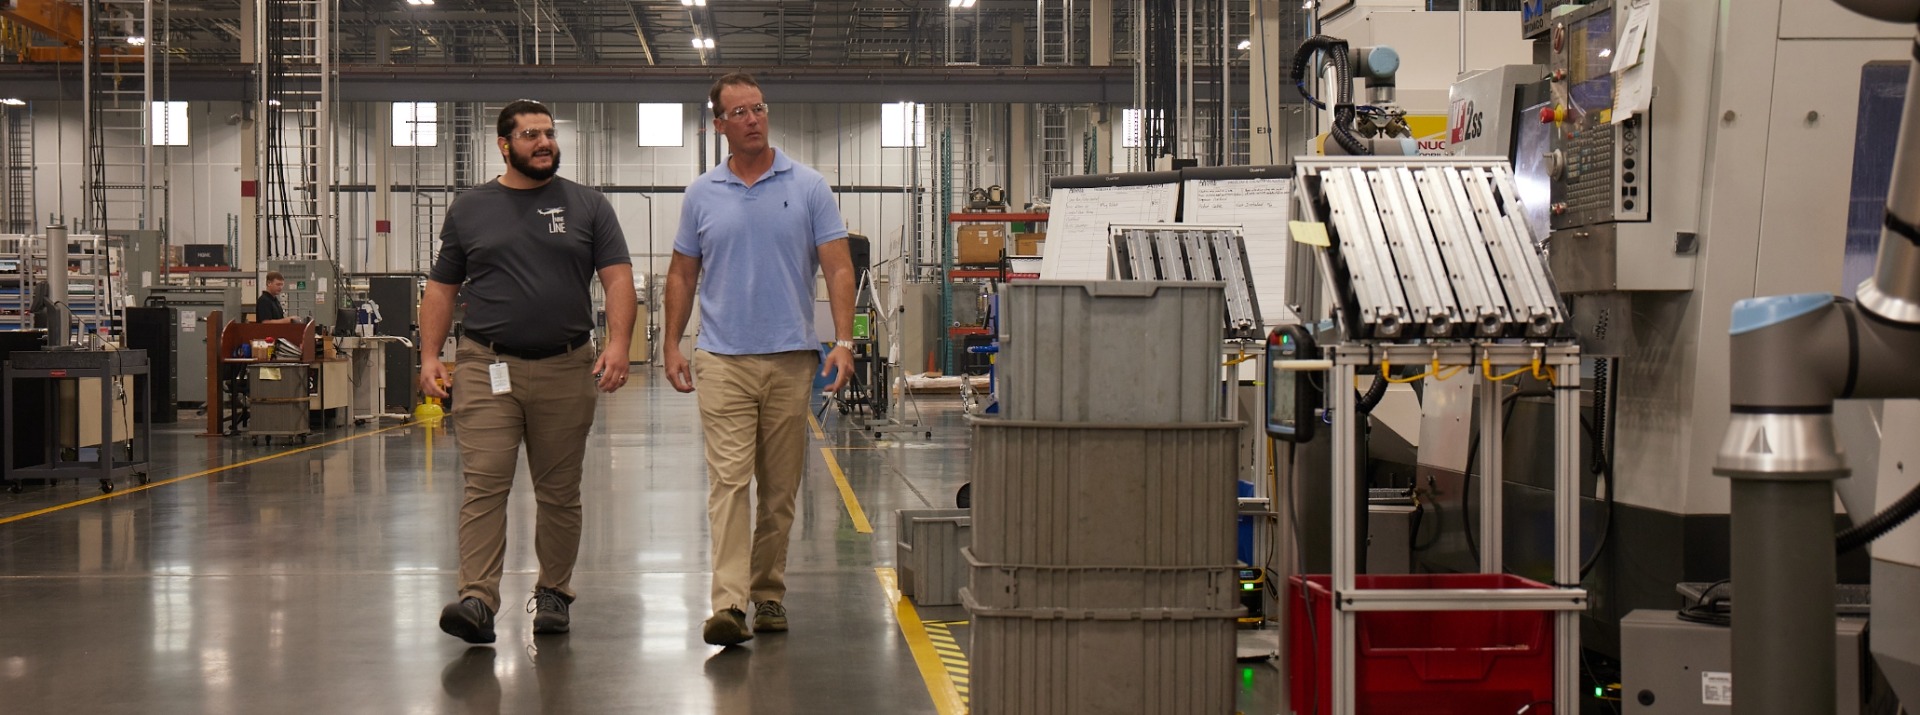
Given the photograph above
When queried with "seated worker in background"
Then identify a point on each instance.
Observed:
(268, 308)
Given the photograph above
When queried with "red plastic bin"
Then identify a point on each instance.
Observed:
(1424, 662)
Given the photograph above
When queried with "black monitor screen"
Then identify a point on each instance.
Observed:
(1591, 56)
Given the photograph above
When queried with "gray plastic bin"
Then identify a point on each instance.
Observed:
(927, 559)
(1106, 587)
(1065, 494)
(1099, 662)
(1110, 351)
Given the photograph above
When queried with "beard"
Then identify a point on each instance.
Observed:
(524, 165)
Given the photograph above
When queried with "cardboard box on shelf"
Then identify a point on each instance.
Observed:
(977, 245)
(1029, 244)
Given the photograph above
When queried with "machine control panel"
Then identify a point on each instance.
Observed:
(1597, 166)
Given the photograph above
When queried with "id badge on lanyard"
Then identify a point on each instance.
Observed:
(497, 373)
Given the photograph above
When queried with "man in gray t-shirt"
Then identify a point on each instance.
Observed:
(525, 248)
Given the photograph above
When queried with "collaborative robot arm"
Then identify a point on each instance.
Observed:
(1791, 358)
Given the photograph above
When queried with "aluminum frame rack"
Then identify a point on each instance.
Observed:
(1187, 252)
(1429, 247)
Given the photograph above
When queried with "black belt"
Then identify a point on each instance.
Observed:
(540, 353)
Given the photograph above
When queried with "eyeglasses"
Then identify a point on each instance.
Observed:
(759, 110)
(533, 134)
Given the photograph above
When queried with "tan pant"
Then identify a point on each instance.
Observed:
(754, 411)
(550, 409)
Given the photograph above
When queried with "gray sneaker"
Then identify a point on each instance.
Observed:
(549, 610)
(726, 627)
(770, 617)
(469, 620)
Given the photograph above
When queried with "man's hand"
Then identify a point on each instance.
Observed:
(678, 372)
(434, 377)
(612, 368)
(840, 363)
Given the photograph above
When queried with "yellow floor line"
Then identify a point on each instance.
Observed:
(195, 475)
(817, 432)
(859, 515)
(946, 697)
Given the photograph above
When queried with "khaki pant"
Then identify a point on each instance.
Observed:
(550, 409)
(754, 411)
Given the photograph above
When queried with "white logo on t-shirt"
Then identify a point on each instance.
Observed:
(556, 220)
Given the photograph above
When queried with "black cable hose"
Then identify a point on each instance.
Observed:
(1604, 387)
(1374, 394)
(1866, 532)
(1601, 465)
(1336, 54)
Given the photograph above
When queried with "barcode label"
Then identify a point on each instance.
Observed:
(1716, 689)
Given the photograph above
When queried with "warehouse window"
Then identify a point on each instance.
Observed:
(169, 121)
(895, 123)
(661, 125)
(416, 124)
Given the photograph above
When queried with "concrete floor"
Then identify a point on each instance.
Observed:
(312, 581)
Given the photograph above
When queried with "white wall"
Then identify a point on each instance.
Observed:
(204, 175)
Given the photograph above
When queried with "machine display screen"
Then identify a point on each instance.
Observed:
(1282, 401)
(1590, 57)
(1532, 142)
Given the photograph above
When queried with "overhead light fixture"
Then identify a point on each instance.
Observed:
(1244, 45)
(690, 3)
(703, 43)
(959, 3)
(709, 42)
(13, 102)
(273, 102)
(419, 2)
(137, 40)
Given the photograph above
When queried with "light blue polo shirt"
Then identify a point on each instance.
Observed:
(759, 252)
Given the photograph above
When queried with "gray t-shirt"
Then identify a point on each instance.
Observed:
(527, 258)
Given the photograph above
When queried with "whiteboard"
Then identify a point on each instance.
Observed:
(1261, 208)
(1077, 224)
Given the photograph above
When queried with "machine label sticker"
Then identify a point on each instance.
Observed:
(189, 319)
(497, 373)
(1716, 688)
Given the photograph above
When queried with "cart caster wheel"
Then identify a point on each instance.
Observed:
(303, 439)
(876, 435)
(964, 499)
(144, 478)
(929, 435)
(106, 487)
(15, 487)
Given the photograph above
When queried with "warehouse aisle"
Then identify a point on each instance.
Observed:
(312, 583)
(311, 580)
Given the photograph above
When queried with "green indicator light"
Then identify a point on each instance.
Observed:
(1247, 587)
(1599, 692)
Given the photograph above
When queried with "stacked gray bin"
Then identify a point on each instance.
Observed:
(1102, 567)
(927, 554)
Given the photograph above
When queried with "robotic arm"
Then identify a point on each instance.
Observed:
(1793, 356)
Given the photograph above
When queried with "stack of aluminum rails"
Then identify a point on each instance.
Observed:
(1429, 247)
(1432, 264)
(1102, 567)
(1162, 252)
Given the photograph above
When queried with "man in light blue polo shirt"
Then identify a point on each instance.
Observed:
(760, 225)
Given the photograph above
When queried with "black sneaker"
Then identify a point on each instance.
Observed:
(726, 627)
(469, 619)
(549, 610)
(770, 617)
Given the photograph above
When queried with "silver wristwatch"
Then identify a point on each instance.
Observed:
(848, 344)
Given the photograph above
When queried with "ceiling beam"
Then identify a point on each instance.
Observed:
(582, 83)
